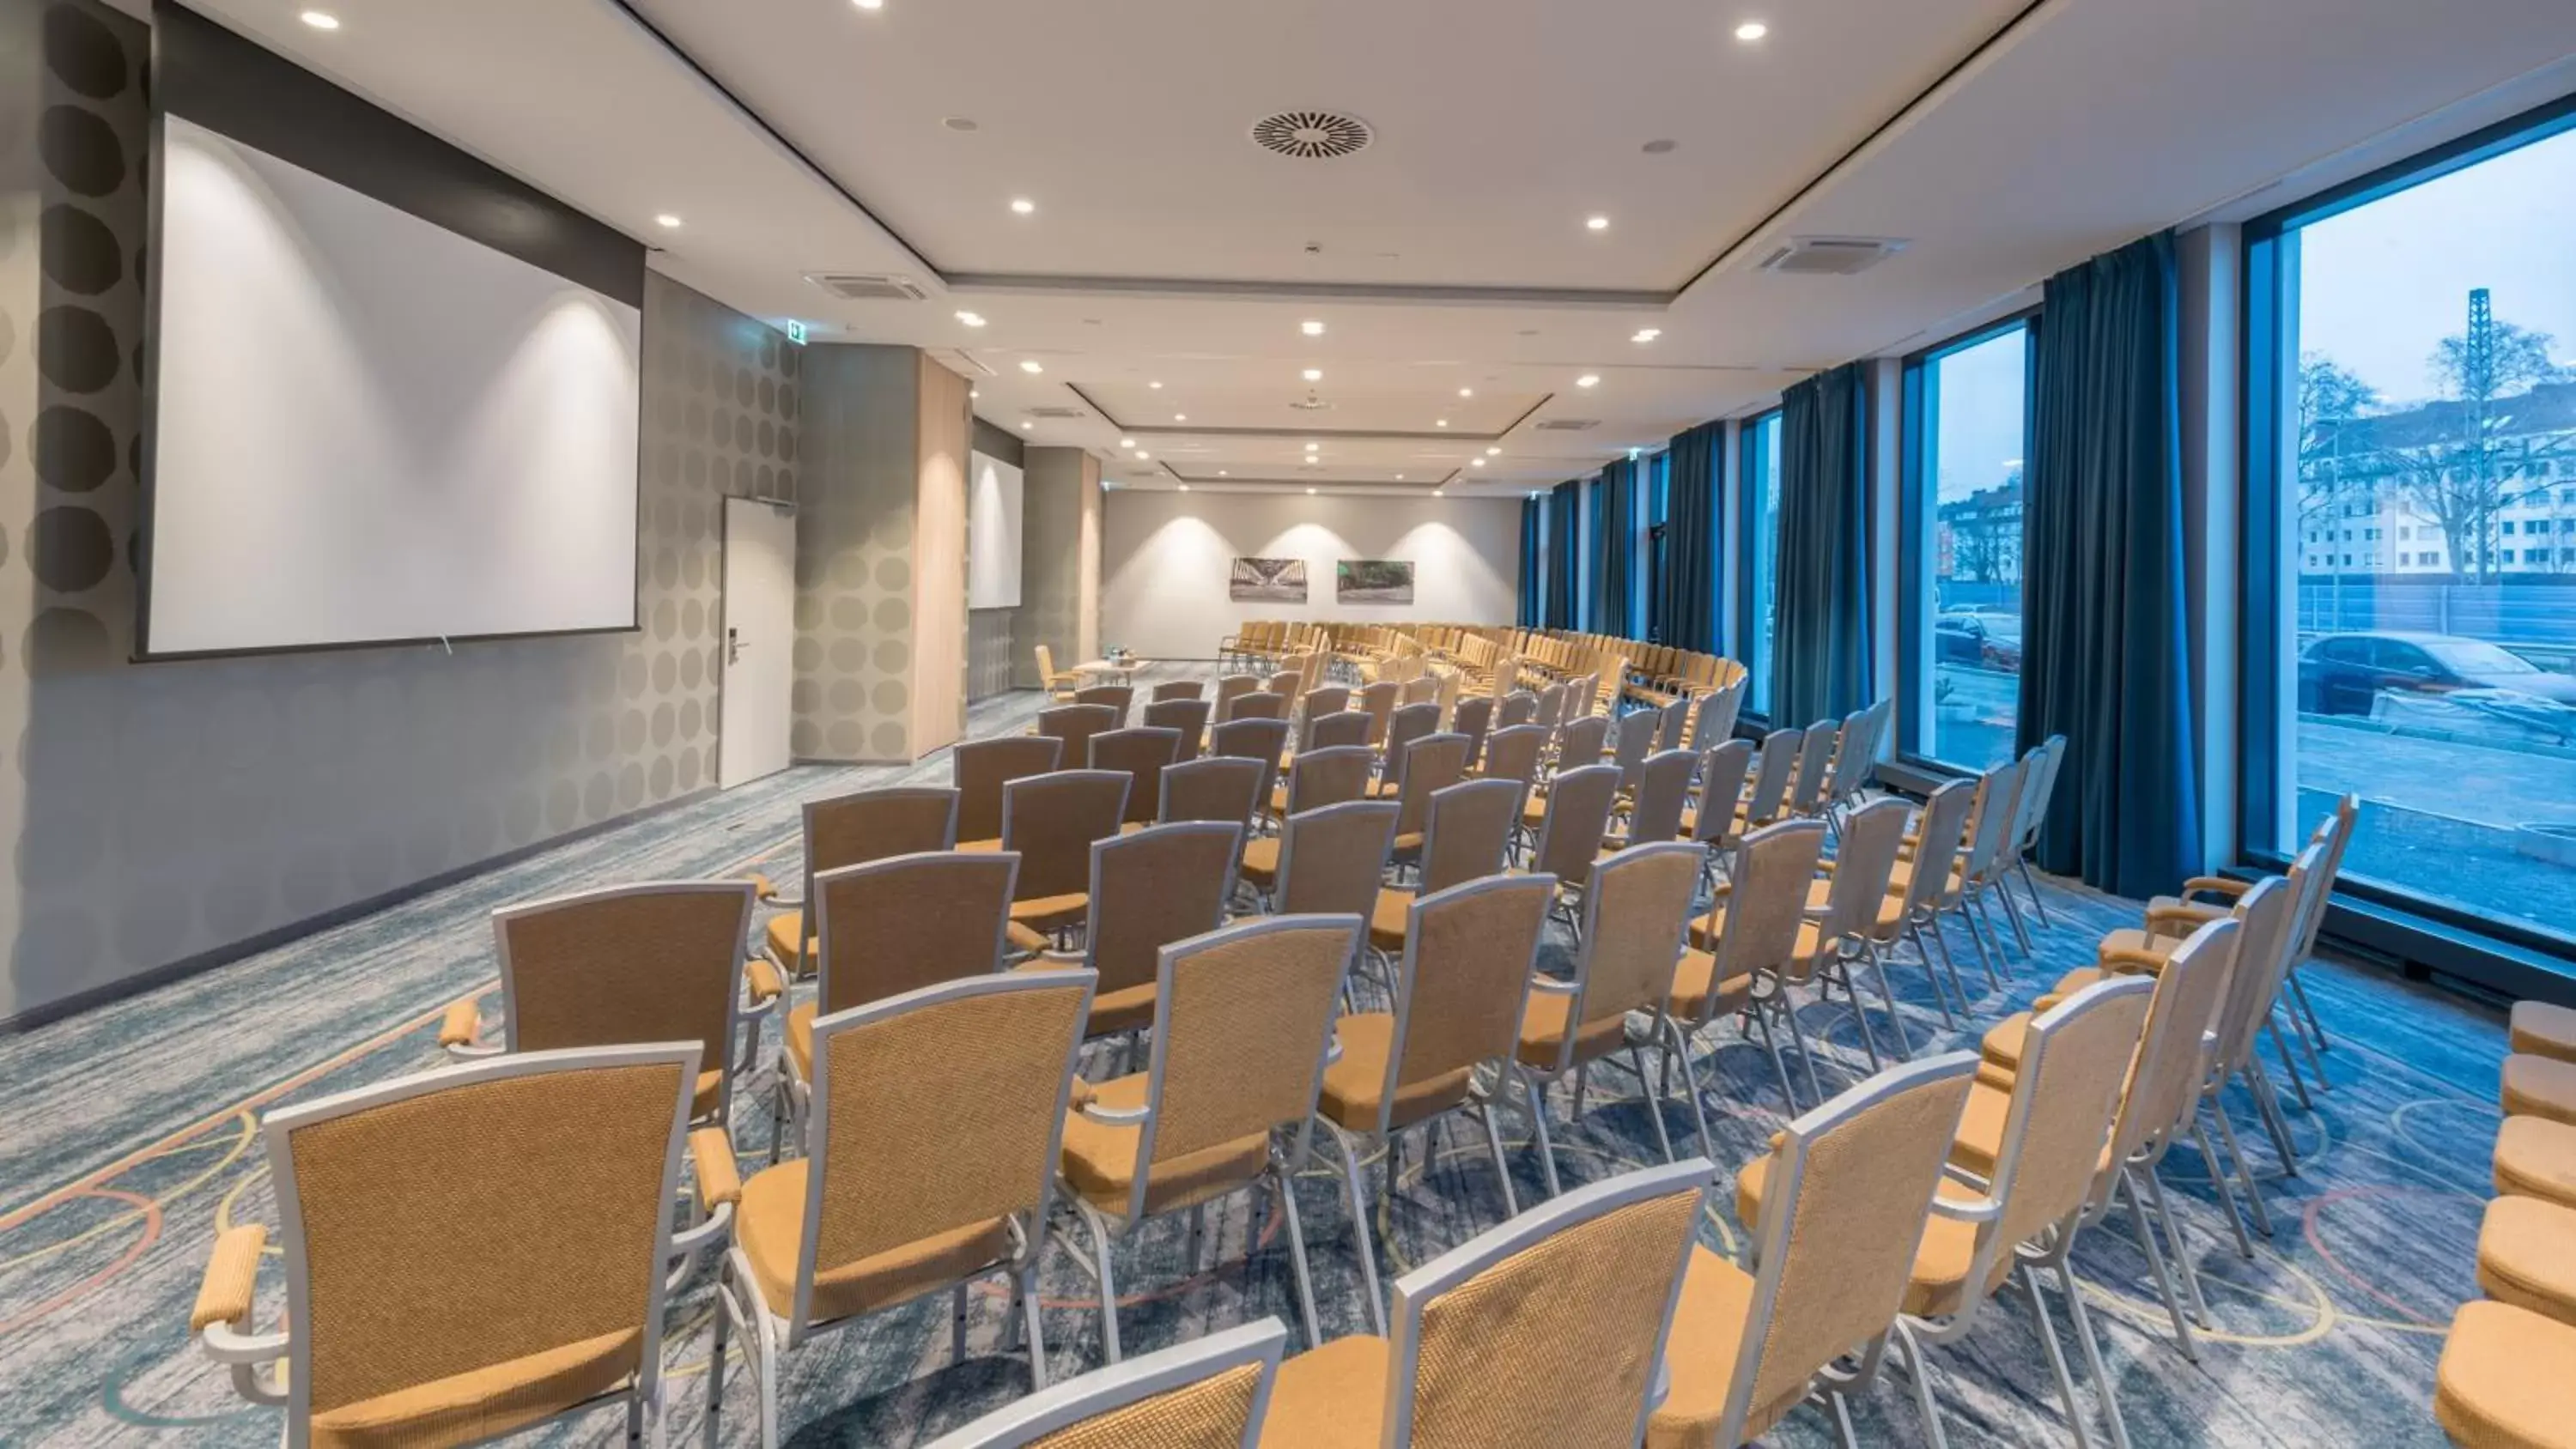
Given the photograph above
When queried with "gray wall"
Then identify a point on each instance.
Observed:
(854, 555)
(162, 812)
(1059, 564)
(989, 652)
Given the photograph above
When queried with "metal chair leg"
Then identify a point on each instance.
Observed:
(2307, 1009)
(1108, 1288)
(2093, 1355)
(2181, 1250)
(2076, 1418)
(1887, 993)
(1806, 1056)
(2036, 903)
(2244, 1172)
(2289, 1064)
(2268, 1105)
(1911, 1353)
(1678, 1045)
(716, 1356)
(1654, 1102)
(957, 1325)
(1030, 1327)
(1538, 1131)
(1502, 1168)
(1860, 1013)
(1932, 973)
(1756, 1016)
(1360, 1227)
(1966, 918)
(2156, 1266)
(2226, 1193)
(1297, 1258)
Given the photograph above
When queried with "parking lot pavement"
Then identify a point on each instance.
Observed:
(2489, 784)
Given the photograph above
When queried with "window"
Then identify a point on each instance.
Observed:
(1761, 570)
(1967, 424)
(2413, 336)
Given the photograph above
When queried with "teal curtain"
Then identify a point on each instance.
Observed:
(1560, 556)
(1686, 603)
(1821, 660)
(2105, 661)
(1614, 549)
(1527, 613)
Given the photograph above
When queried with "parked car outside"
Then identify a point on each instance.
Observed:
(2346, 673)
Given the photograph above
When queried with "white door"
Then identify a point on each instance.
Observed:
(759, 634)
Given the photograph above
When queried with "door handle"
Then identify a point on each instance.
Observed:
(734, 646)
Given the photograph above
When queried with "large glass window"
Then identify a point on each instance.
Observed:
(1761, 571)
(2412, 538)
(1968, 421)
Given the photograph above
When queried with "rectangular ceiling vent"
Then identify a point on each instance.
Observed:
(1830, 256)
(1569, 425)
(868, 286)
(1057, 412)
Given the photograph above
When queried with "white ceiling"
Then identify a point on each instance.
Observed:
(2001, 140)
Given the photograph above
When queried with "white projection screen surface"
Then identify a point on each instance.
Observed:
(369, 429)
(993, 535)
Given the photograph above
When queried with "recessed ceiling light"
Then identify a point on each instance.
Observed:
(1223, 474)
(321, 19)
(1156, 386)
(1439, 492)
(971, 319)
(1466, 392)
(1752, 30)
(1589, 379)
(1493, 452)
(1311, 329)
(869, 4)
(1180, 417)
(1596, 223)
(666, 221)
(1444, 422)
(1028, 427)
(1185, 488)
(1142, 455)
(1314, 374)
(1399, 477)
(1311, 447)
(1647, 334)
(974, 392)
(1476, 462)
(1126, 442)
(1310, 492)
(1023, 205)
(1031, 364)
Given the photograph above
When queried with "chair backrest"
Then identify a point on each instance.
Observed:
(1766, 902)
(1998, 797)
(1409, 723)
(1551, 706)
(1445, 697)
(1674, 732)
(1721, 786)
(1260, 704)
(1474, 718)
(1713, 723)
(983, 769)
(1848, 1192)
(1513, 752)
(1214, 788)
(1782, 749)
(1938, 841)
(1634, 917)
(1162, 884)
(1428, 765)
(874, 824)
(1378, 701)
(1209, 1393)
(1580, 741)
(1172, 689)
(1519, 707)
(1578, 816)
(1075, 724)
(1046, 667)
(626, 964)
(1116, 698)
(1263, 739)
(2164, 1081)
(934, 1112)
(892, 926)
(1051, 820)
(1331, 776)
(1229, 689)
(1421, 689)
(1815, 756)
(2038, 787)
(1855, 756)
(1663, 793)
(1188, 715)
(1243, 1017)
(1636, 740)
(1469, 1365)
(1460, 989)
(445, 1222)
(1330, 857)
(1332, 731)
(2265, 950)
(1142, 754)
(1864, 862)
(1322, 700)
(2336, 831)
(1469, 828)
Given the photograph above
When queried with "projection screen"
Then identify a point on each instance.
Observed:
(993, 534)
(370, 429)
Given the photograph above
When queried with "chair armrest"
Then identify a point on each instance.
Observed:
(462, 1022)
(719, 1176)
(1552, 986)
(1115, 1116)
(2177, 922)
(232, 1273)
(763, 979)
(762, 887)
(1983, 1210)
(2130, 963)
(2214, 885)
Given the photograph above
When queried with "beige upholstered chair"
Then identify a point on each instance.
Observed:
(1458, 999)
(1633, 742)
(1549, 1330)
(1917, 886)
(1242, 1020)
(1713, 719)
(1229, 689)
(852, 830)
(1722, 771)
(1117, 698)
(1957, 894)
(2024, 1217)
(1815, 761)
(889, 927)
(1328, 859)
(1429, 765)
(1574, 822)
(1474, 718)
(1378, 702)
(471, 1251)
(1518, 707)
(1210, 1393)
(1513, 753)
(1410, 723)
(1848, 1191)
(1320, 701)
(983, 769)
(1756, 929)
(1466, 832)
(928, 1163)
(1854, 912)
(1142, 754)
(1662, 796)
(1172, 689)
(2486, 1395)
(1333, 731)
(625, 964)
(1050, 821)
(1286, 683)
(1263, 739)
(1162, 884)
(1058, 683)
(1551, 707)
(1188, 716)
(2209, 897)
(1075, 724)
(2038, 786)
(1260, 704)
(1325, 776)
(1214, 788)
(1630, 943)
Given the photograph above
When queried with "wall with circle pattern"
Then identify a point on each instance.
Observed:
(161, 812)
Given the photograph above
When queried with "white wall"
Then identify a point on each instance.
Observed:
(1166, 557)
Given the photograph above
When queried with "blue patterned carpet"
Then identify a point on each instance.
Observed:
(130, 1141)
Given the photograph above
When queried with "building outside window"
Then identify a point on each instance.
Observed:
(1968, 424)
(2421, 376)
(1761, 568)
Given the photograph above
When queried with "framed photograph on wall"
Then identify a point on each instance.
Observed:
(1268, 581)
(1373, 581)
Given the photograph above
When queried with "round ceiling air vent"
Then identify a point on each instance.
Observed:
(1312, 135)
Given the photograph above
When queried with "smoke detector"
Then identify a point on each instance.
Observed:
(1312, 135)
(1830, 256)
